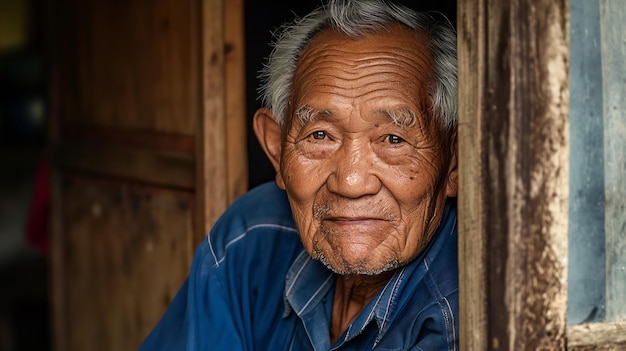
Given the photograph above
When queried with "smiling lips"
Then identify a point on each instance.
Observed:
(350, 214)
(355, 224)
(351, 220)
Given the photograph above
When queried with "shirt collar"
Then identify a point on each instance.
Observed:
(307, 282)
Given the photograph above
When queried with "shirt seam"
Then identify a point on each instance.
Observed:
(394, 290)
(445, 310)
(315, 294)
(297, 276)
(242, 236)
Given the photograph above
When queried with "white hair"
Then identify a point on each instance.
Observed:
(357, 18)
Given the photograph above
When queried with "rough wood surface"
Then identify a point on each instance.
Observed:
(513, 134)
(130, 64)
(597, 336)
(472, 241)
(147, 99)
(164, 168)
(157, 141)
(221, 147)
(536, 283)
(128, 249)
(212, 176)
(235, 94)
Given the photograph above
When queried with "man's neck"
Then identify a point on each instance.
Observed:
(352, 294)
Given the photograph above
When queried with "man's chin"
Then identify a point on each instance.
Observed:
(344, 267)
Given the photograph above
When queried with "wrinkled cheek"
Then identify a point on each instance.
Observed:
(414, 183)
(307, 230)
(286, 170)
(301, 177)
(302, 212)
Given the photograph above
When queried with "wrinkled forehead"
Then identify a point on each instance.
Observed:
(395, 62)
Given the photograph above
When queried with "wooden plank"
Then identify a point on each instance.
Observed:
(472, 240)
(597, 336)
(134, 65)
(516, 142)
(235, 94)
(536, 280)
(128, 250)
(163, 168)
(212, 182)
(613, 46)
(609, 346)
(178, 143)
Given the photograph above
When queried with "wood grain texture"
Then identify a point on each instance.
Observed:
(472, 216)
(127, 252)
(235, 94)
(130, 64)
(157, 141)
(513, 132)
(212, 181)
(144, 165)
(148, 127)
(597, 336)
(536, 285)
(610, 346)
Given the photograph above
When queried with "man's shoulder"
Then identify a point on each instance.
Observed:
(261, 216)
(265, 204)
(265, 200)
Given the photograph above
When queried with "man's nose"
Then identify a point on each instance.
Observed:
(354, 172)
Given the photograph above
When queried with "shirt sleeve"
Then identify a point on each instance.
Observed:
(199, 317)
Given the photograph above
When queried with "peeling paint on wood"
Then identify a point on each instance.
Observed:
(597, 337)
(513, 132)
(613, 46)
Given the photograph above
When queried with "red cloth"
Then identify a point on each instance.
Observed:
(37, 222)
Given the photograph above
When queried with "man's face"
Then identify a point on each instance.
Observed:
(367, 193)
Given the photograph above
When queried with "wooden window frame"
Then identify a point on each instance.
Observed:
(514, 170)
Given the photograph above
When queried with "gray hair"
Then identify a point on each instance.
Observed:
(356, 18)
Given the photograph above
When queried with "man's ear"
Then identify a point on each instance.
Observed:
(452, 183)
(268, 132)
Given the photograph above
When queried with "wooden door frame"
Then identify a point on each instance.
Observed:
(513, 147)
(222, 171)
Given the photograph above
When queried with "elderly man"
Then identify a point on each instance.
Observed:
(354, 246)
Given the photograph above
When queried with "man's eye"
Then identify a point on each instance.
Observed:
(319, 135)
(393, 139)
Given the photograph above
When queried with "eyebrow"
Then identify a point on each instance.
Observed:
(402, 116)
(308, 113)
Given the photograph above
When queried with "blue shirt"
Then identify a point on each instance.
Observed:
(252, 286)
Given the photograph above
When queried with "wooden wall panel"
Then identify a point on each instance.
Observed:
(472, 70)
(131, 64)
(235, 95)
(128, 250)
(212, 169)
(148, 124)
(168, 169)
